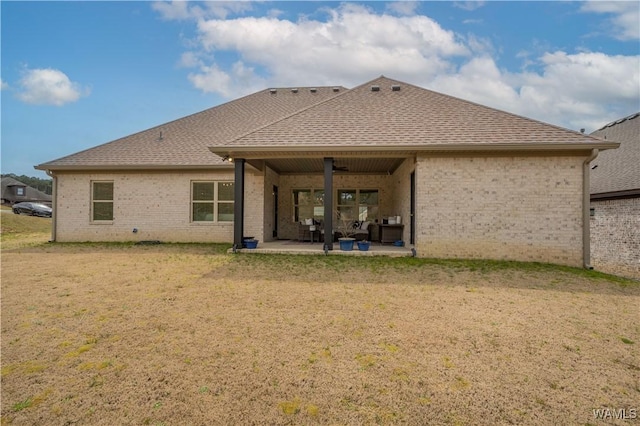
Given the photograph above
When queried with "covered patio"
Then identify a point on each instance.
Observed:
(330, 174)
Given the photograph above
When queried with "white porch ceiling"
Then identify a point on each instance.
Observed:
(307, 165)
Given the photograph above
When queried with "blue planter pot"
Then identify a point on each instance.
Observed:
(346, 244)
(251, 244)
(363, 245)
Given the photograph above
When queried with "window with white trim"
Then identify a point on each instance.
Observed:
(101, 201)
(212, 201)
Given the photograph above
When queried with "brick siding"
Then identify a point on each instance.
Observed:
(615, 236)
(526, 208)
(157, 204)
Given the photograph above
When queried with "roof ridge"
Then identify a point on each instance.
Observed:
(300, 111)
(347, 90)
(300, 87)
(619, 121)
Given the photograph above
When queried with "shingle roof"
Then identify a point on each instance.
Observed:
(397, 116)
(618, 170)
(31, 194)
(374, 114)
(184, 142)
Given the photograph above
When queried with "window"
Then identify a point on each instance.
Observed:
(102, 201)
(358, 204)
(212, 201)
(20, 191)
(308, 203)
(367, 204)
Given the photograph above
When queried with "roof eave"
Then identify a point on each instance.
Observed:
(312, 150)
(628, 193)
(121, 167)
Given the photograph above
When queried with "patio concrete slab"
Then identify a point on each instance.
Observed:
(306, 248)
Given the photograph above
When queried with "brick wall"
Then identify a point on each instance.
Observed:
(158, 204)
(401, 181)
(254, 192)
(525, 208)
(615, 236)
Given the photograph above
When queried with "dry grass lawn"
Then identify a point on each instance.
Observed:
(189, 335)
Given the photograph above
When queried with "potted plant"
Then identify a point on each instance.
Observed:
(364, 245)
(251, 243)
(345, 229)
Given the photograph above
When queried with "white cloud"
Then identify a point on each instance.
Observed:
(479, 80)
(212, 79)
(625, 23)
(353, 44)
(189, 60)
(353, 40)
(469, 5)
(177, 10)
(222, 9)
(182, 10)
(402, 8)
(240, 79)
(581, 90)
(48, 87)
(3, 85)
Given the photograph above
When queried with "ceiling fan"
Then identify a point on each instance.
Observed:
(339, 168)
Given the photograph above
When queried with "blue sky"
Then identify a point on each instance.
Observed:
(78, 74)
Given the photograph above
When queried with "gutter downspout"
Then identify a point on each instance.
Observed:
(586, 204)
(54, 204)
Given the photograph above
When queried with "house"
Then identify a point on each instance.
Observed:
(466, 181)
(14, 191)
(615, 200)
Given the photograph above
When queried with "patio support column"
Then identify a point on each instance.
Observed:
(238, 203)
(328, 204)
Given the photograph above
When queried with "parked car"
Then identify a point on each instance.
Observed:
(32, 209)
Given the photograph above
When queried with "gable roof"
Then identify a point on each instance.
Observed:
(183, 143)
(397, 117)
(618, 171)
(389, 114)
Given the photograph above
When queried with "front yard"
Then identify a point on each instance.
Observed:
(187, 334)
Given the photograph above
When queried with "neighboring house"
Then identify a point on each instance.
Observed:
(615, 200)
(14, 191)
(468, 181)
